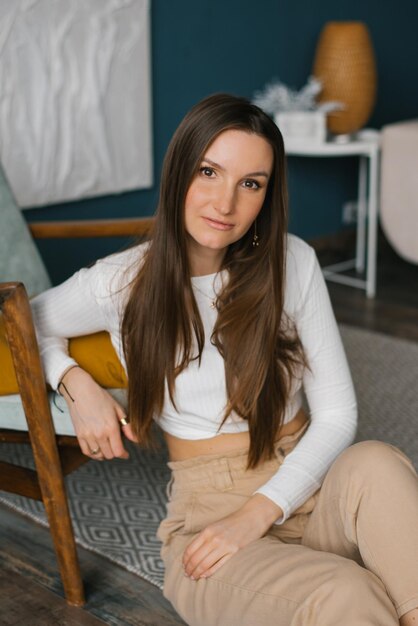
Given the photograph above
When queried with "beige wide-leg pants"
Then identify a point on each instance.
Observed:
(347, 557)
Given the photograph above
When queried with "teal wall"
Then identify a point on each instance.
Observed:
(237, 46)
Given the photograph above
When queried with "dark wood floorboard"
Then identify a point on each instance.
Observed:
(394, 310)
(31, 591)
(114, 595)
(24, 602)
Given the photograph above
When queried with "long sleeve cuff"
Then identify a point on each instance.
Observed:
(55, 363)
(304, 468)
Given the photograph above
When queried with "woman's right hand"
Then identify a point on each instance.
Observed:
(96, 416)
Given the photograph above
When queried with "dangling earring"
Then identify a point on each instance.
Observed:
(255, 236)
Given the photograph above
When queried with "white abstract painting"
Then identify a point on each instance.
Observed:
(75, 98)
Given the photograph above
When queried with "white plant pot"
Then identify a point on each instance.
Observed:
(302, 126)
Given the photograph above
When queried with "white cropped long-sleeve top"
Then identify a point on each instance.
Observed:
(93, 299)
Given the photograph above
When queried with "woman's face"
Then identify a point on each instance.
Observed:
(225, 196)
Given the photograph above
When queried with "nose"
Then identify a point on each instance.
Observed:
(224, 202)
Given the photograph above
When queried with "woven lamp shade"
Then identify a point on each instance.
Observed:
(345, 64)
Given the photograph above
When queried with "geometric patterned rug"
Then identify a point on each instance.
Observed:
(385, 375)
(116, 506)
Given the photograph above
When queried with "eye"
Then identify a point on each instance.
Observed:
(250, 183)
(207, 171)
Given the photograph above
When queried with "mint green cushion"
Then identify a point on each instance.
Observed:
(19, 256)
(13, 417)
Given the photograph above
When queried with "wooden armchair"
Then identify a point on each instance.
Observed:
(55, 455)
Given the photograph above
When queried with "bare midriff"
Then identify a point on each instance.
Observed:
(182, 449)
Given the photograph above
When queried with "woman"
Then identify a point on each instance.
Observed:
(221, 320)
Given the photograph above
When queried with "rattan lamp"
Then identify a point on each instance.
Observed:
(345, 64)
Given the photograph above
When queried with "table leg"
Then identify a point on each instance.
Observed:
(361, 215)
(372, 226)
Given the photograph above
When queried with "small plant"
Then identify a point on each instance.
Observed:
(277, 97)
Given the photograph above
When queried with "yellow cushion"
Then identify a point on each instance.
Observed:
(94, 353)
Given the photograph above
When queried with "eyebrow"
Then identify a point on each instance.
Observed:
(217, 165)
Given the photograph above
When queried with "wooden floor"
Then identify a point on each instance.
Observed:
(30, 590)
(394, 310)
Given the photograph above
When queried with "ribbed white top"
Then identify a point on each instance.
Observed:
(93, 300)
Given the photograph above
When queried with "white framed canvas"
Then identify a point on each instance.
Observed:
(75, 98)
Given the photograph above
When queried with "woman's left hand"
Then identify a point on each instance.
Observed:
(219, 541)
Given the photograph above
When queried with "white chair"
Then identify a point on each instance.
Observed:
(399, 188)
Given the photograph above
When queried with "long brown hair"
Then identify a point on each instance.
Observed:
(161, 319)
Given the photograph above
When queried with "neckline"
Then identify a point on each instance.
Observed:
(205, 277)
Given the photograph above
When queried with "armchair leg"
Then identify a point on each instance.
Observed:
(21, 337)
(52, 482)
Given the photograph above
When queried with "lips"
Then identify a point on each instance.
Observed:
(217, 224)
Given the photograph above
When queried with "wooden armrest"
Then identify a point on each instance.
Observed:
(120, 227)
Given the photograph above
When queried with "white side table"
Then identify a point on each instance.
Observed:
(367, 147)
